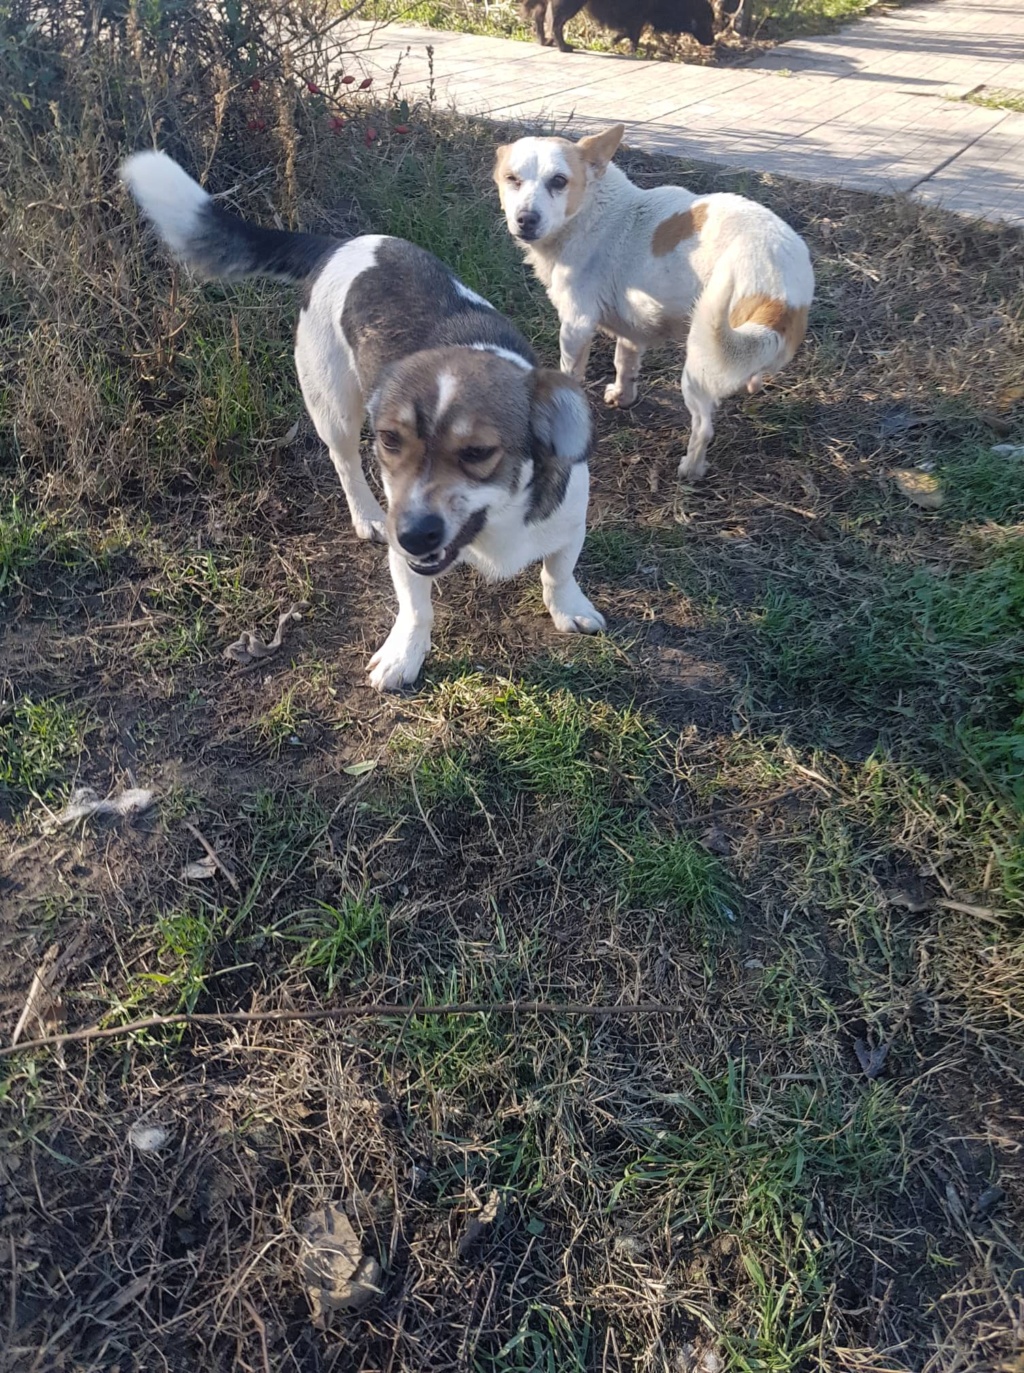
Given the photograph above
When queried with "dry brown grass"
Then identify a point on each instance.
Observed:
(783, 793)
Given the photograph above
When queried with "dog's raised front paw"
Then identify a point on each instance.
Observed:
(398, 661)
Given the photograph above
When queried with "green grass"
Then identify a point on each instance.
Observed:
(979, 485)
(187, 937)
(547, 1341)
(677, 874)
(579, 759)
(40, 742)
(958, 634)
(995, 98)
(338, 941)
(766, 1169)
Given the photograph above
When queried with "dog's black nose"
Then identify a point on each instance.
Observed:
(422, 536)
(528, 222)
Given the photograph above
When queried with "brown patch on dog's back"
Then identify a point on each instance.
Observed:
(677, 229)
(788, 321)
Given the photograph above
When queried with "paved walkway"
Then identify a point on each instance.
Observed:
(877, 106)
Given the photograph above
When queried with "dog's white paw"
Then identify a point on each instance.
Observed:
(621, 397)
(398, 661)
(574, 614)
(369, 525)
(694, 468)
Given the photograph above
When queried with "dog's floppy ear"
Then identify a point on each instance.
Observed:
(560, 417)
(599, 148)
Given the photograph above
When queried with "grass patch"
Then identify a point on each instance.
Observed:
(764, 1171)
(675, 873)
(996, 98)
(579, 759)
(40, 741)
(956, 635)
(339, 940)
(981, 485)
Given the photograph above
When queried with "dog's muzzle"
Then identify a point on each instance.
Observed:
(527, 225)
(438, 560)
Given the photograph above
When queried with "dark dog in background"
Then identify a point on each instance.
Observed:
(626, 18)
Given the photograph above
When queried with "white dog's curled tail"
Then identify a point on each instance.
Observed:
(210, 240)
(736, 340)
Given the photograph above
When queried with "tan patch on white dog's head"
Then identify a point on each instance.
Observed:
(501, 164)
(788, 321)
(542, 178)
(677, 229)
(576, 165)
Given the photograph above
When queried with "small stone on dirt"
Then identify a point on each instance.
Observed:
(148, 1139)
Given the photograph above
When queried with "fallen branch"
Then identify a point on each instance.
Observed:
(213, 855)
(341, 1013)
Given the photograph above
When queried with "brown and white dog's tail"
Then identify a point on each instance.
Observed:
(211, 241)
(737, 339)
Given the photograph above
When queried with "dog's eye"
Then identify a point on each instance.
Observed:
(558, 183)
(513, 181)
(389, 440)
(473, 456)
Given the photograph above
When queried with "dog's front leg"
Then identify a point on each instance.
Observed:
(623, 391)
(566, 603)
(368, 519)
(574, 341)
(398, 661)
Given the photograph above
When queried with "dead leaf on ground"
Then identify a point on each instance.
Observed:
(715, 840)
(872, 1061)
(487, 1218)
(199, 870)
(336, 1274)
(897, 420)
(906, 902)
(922, 488)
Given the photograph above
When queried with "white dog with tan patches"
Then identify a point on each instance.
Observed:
(483, 454)
(654, 266)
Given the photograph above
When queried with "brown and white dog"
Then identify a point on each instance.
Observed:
(483, 454)
(651, 266)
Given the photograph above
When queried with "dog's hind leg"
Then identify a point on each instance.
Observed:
(623, 391)
(701, 406)
(331, 391)
(559, 14)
